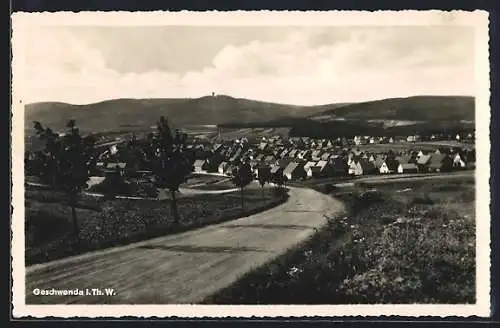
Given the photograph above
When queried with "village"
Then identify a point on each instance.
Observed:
(301, 158)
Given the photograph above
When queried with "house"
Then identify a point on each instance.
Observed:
(113, 168)
(357, 140)
(316, 155)
(421, 153)
(338, 166)
(284, 162)
(198, 165)
(325, 156)
(263, 146)
(379, 160)
(424, 161)
(440, 163)
(276, 171)
(222, 167)
(303, 154)
(293, 153)
(361, 167)
(212, 163)
(413, 138)
(294, 171)
(320, 169)
(284, 153)
(391, 140)
(367, 167)
(458, 162)
(388, 166)
(269, 159)
(407, 168)
(307, 168)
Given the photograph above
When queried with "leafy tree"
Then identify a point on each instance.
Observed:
(242, 177)
(171, 166)
(264, 176)
(66, 162)
(279, 179)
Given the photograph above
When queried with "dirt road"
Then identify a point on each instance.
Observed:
(187, 267)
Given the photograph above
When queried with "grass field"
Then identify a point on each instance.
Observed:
(404, 243)
(104, 223)
(422, 145)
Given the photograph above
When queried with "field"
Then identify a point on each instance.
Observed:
(410, 242)
(423, 145)
(104, 223)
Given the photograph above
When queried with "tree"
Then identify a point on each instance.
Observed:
(171, 165)
(264, 177)
(279, 179)
(242, 177)
(66, 162)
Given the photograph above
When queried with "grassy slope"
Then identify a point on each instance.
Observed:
(104, 223)
(418, 108)
(371, 255)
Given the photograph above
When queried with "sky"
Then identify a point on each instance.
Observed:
(286, 64)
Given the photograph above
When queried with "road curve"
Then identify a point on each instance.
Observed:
(187, 267)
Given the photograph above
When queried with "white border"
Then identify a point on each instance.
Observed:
(478, 19)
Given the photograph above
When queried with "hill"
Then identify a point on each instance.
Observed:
(141, 114)
(118, 114)
(417, 108)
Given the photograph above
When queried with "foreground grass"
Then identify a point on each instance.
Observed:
(104, 223)
(401, 244)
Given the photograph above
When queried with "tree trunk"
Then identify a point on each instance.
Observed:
(76, 228)
(262, 189)
(173, 203)
(242, 199)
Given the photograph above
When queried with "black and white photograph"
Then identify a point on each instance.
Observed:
(251, 164)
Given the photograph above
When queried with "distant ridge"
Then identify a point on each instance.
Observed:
(117, 114)
(416, 108)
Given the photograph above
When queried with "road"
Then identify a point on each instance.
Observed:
(187, 267)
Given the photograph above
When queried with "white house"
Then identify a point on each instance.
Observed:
(307, 168)
(458, 161)
(222, 167)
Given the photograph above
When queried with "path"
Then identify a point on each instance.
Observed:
(187, 267)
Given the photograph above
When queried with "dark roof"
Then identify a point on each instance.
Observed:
(424, 159)
(365, 165)
(409, 166)
(392, 164)
(284, 162)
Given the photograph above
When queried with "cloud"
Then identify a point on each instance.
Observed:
(306, 66)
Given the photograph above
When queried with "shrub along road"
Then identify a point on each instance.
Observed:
(187, 267)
